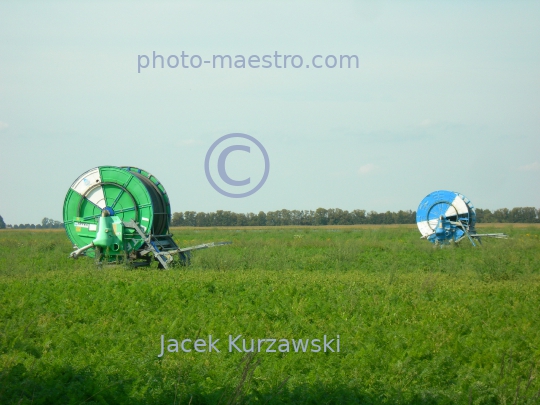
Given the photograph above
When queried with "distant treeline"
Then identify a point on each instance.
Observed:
(46, 223)
(336, 216)
(524, 215)
(321, 216)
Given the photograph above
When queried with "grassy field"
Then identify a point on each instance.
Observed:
(417, 324)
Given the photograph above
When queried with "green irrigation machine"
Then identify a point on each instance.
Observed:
(122, 215)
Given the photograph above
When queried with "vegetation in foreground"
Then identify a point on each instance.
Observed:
(416, 324)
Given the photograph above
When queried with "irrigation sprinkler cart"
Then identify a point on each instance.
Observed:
(122, 215)
(445, 217)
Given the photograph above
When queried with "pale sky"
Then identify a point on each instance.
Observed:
(446, 96)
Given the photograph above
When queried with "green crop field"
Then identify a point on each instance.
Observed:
(416, 324)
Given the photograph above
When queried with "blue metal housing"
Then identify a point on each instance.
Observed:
(444, 216)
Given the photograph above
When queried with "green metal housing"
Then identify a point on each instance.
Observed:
(101, 199)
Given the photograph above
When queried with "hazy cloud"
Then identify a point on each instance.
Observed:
(530, 167)
(3, 125)
(186, 142)
(365, 169)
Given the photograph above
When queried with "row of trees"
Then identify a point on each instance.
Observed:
(336, 216)
(321, 216)
(527, 215)
(46, 223)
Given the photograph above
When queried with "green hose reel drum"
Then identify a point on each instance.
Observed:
(121, 194)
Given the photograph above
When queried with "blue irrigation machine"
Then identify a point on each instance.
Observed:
(444, 217)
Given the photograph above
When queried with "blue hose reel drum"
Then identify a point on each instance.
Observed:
(445, 216)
